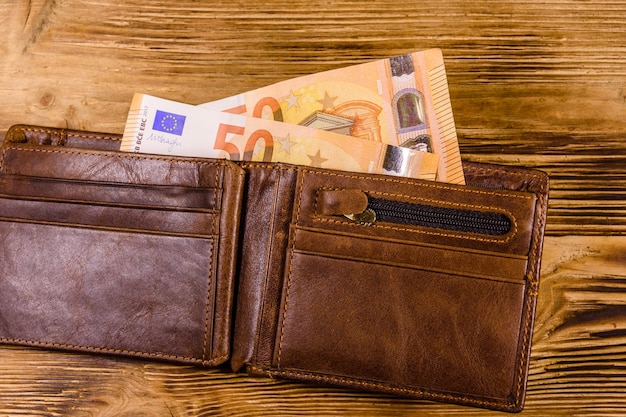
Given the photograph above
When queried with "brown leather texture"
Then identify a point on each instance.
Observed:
(109, 252)
(417, 311)
(137, 254)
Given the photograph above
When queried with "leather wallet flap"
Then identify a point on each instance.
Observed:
(108, 252)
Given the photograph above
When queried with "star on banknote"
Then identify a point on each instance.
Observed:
(328, 102)
(317, 160)
(292, 100)
(285, 144)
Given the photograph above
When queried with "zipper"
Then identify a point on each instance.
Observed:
(462, 220)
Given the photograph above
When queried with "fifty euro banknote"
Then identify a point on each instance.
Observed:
(160, 126)
(402, 101)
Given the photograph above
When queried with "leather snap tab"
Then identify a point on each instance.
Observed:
(341, 202)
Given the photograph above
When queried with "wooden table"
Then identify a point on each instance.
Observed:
(539, 84)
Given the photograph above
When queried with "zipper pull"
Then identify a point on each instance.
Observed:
(366, 218)
(350, 203)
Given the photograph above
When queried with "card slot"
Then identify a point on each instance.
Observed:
(107, 217)
(414, 255)
(363, 322)
(158, 196)
(136, 294)
(111, 166)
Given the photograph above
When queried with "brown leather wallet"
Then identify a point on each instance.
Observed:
(386, 284)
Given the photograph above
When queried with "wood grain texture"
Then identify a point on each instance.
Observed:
(533, 83)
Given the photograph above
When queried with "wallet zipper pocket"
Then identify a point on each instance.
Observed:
(412, 214)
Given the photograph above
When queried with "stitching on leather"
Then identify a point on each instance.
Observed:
(215, 230)
(104, 137)
(525, 338)
(267, 277)
(291, 255)
(430, 184)
(532, 292)
(409, 181)
(52, 131)
(372, 385)
(9, 340)
(216, 361)
(113, 155)
(110, 155)
(445, 203)
(219, 197)
(207, 307)
(2, 157)
(541, 221)
(524, 348)
(462, 235)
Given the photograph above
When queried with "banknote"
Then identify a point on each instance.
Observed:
(160, 126)
(403, 101)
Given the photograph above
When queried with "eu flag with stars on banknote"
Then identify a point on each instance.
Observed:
(169, 122)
